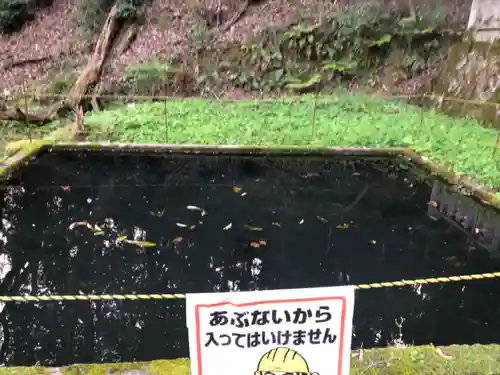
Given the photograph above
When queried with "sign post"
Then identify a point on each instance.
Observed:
(272, 332)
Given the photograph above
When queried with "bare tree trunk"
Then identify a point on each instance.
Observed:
(89, 77)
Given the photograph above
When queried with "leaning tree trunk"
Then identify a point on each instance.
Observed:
(92, 72)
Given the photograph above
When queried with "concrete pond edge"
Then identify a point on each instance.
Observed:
(463, 184)
(407, 360)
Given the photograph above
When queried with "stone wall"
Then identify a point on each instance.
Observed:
(471, 74)
(484, 20)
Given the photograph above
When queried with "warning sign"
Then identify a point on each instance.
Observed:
(305, 331)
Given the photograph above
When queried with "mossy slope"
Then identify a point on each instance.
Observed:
(423, 360)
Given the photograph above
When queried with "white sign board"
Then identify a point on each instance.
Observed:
(272, 332)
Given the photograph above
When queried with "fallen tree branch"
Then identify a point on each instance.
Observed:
(10, 63)
(215, 33)
(17, 115)
(89, 77)
(237, 16)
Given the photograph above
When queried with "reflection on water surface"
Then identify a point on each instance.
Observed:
(146, 223)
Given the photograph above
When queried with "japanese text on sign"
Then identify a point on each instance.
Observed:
(254, 338)
(247, 329)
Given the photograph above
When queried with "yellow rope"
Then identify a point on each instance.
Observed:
(136, 297)
(430, 280)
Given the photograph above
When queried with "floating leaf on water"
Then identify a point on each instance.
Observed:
(301, 221)
(192, 227)
(178, 239)
(66, 188)
(196, 208)
(158, 213)
(277, 224)
(236, 189)
(121, 238)
(322, 219)
(243, 194)
(255, 229)
(80, 224)
(181, 225)
(256, 244)
(141, 243)
(97, 227)
(227, 227)
(343, 226)
(100, 233)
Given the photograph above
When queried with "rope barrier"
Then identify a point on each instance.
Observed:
(165, 296)
(430, 280)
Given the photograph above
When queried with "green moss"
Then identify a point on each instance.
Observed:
(115, 368)
(419, 360)
(424, 360)
(12, 132)
(23, 150)
(176, 367)
(35, 370)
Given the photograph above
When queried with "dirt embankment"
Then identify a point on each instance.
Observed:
(52, 43)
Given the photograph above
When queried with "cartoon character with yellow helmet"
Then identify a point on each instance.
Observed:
(283, 361)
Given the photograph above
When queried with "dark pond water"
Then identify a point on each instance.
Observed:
(317, 221)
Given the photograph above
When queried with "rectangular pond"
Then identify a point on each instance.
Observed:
(93, 222)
